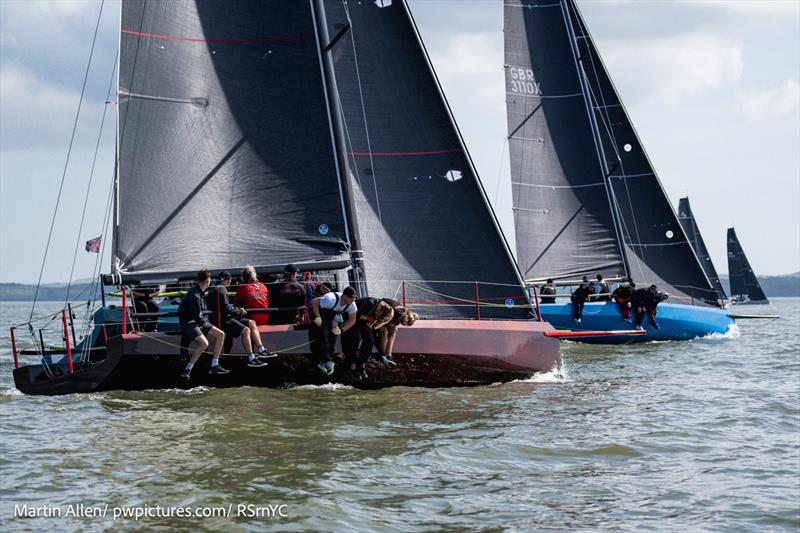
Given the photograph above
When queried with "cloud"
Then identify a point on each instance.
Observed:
(770, 102)
(473, 60)
(36, 113)
(663, 70)
(778, 8)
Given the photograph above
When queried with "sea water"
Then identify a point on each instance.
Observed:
(673, 436)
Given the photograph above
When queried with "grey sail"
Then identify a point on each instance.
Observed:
(689, 224)
(743, 280)
(563, 220)
(421, 212)
(650, 240)
(225, 146)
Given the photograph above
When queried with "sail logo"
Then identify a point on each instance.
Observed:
(453, 175)
(522, 81)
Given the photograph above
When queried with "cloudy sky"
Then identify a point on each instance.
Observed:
(713, 88)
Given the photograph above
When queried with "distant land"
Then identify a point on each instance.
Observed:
(786, 285)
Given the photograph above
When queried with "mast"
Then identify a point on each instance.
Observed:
(338, 140)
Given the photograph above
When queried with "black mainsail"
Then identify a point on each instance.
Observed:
(225, 149)
(421, 211)
(743, 280)
(692, 231)
(573, 148)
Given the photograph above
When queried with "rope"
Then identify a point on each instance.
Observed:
(167, 343)
(91, 178)
(465, 300)
(66, 163)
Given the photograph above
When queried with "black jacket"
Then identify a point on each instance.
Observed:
(219, 305)
(190, 310)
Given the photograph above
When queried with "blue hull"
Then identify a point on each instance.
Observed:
(677, 322)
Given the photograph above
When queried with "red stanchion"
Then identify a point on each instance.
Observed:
(404, 293)
(66, 340)
(124, 312)
(105, 335)
(536, 303)
(14, 348)
(477, 302)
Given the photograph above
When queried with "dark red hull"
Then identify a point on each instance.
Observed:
(431, 354)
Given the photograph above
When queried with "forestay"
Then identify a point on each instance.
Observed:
(225, 147)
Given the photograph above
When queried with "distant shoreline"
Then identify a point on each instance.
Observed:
(774, 286)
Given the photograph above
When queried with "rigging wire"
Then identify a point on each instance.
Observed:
(363, 110)
(66, 163)
(91, 178)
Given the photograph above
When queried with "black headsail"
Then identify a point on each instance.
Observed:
(422, 214)
(689, 224)
(743, 279)
(225, 148)
(650, 242)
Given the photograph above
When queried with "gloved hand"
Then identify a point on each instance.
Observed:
(318, 321)
(335, 330)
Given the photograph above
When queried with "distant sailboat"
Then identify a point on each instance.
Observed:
(689, 224)
(745, 288)
(586, 197)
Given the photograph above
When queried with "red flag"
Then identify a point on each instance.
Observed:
(93, 245)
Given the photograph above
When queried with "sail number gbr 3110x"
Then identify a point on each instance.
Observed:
(521, 81)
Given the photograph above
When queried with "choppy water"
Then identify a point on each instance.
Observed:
(701, 435)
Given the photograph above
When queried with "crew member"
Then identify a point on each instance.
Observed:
(143, 304)
(622, 296)
(579, 298)
(195, 326)
(388, 334)
(334, 314)
(600, 288)
(232, 321)
(548, 292)
(645, 302)
(289, 295)
(373, 314)
(252, 294)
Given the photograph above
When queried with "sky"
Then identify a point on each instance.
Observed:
(712, 87)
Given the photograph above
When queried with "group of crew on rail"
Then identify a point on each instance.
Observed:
(643, 302)
(206, 310)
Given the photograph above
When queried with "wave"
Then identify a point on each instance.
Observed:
(733, 332)
(324, 386)
(558, 374)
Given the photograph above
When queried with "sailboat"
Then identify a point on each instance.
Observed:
(689, 224)
(745, 288)
(314, 133)
(586, 197)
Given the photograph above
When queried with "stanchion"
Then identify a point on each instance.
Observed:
(477, 302)
(66, 340)
(124, 312)
(14, 348)
(536, 302)
(404, 293)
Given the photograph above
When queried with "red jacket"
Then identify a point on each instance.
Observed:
(253, 296)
